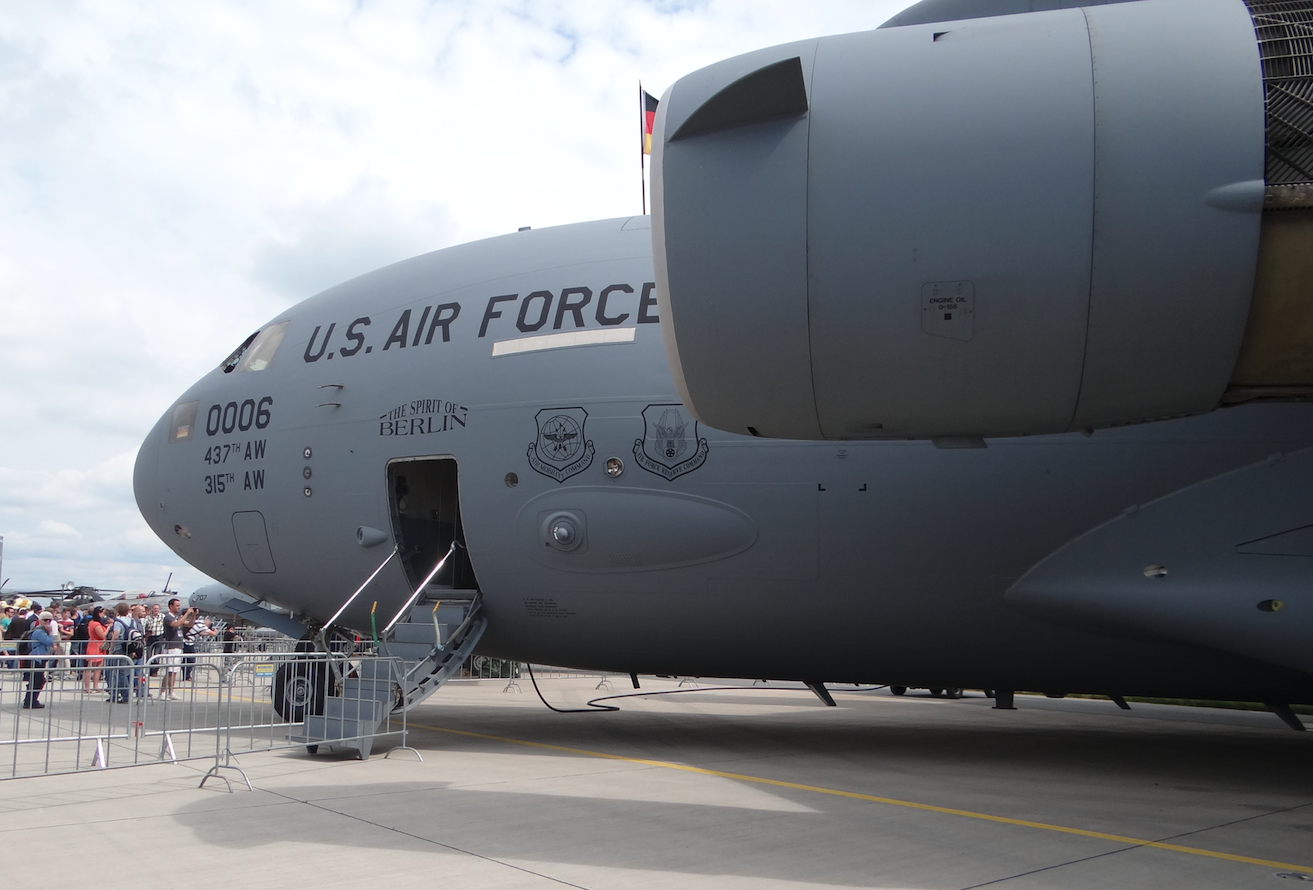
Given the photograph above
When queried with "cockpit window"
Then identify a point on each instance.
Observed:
(230, 363)
(184, 421)
(257, 353)
(261, 353)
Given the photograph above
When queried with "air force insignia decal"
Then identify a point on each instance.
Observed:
(561, 449)
(670, 446)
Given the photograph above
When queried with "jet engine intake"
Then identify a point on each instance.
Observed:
(1005, 226)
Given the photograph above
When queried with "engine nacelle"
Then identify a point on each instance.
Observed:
(1005, 226)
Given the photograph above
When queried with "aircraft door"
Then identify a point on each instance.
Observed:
(253, 542)
(424, 502)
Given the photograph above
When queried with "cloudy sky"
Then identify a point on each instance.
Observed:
(174, 174)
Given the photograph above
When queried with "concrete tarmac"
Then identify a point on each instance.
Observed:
(748, 787)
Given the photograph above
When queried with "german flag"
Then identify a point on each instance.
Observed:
(649, 119)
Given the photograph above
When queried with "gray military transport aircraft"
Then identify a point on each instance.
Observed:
(971, 351)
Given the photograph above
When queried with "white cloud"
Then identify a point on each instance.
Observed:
(49, 528)
(172, 175)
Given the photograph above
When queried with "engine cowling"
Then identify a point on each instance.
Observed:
(1006, 226)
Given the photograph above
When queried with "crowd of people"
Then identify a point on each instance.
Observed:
(166, 639)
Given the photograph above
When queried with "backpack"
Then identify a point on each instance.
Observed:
(123, 639)
(18, 630)
(80, 630)
(24, 644)
(135, 646)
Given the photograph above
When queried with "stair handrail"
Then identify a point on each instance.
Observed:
(454, 640)
(418, 691)
(473, 610)
(352, 598)
(418, 590)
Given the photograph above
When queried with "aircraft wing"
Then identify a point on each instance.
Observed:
(219, 599)
(256, 614)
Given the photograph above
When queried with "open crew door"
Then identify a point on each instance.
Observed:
(425, 507)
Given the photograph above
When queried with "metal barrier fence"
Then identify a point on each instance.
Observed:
(513, 671)
(245, 647)
(481, 667)
(552, 672)
(64, 713)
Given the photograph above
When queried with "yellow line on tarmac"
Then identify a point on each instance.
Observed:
(890, 801)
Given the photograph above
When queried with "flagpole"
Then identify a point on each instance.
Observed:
(642, 135)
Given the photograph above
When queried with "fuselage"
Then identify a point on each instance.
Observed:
(427, 401)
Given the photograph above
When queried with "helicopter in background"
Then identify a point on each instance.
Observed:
(67, 594)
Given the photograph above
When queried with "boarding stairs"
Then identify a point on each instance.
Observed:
(434, 640)
(416, 655)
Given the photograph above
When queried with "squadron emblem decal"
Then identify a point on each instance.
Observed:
(670, 446)
(562, 448)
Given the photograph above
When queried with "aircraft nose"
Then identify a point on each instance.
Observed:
(145, 476)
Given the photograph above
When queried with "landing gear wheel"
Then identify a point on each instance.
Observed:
(898, 690)
(936, 692)
(299, 689)
(953, 692)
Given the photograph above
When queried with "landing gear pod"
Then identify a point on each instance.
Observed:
(1005, 226)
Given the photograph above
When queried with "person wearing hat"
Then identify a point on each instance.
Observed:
(18, 624)
(41, 641)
